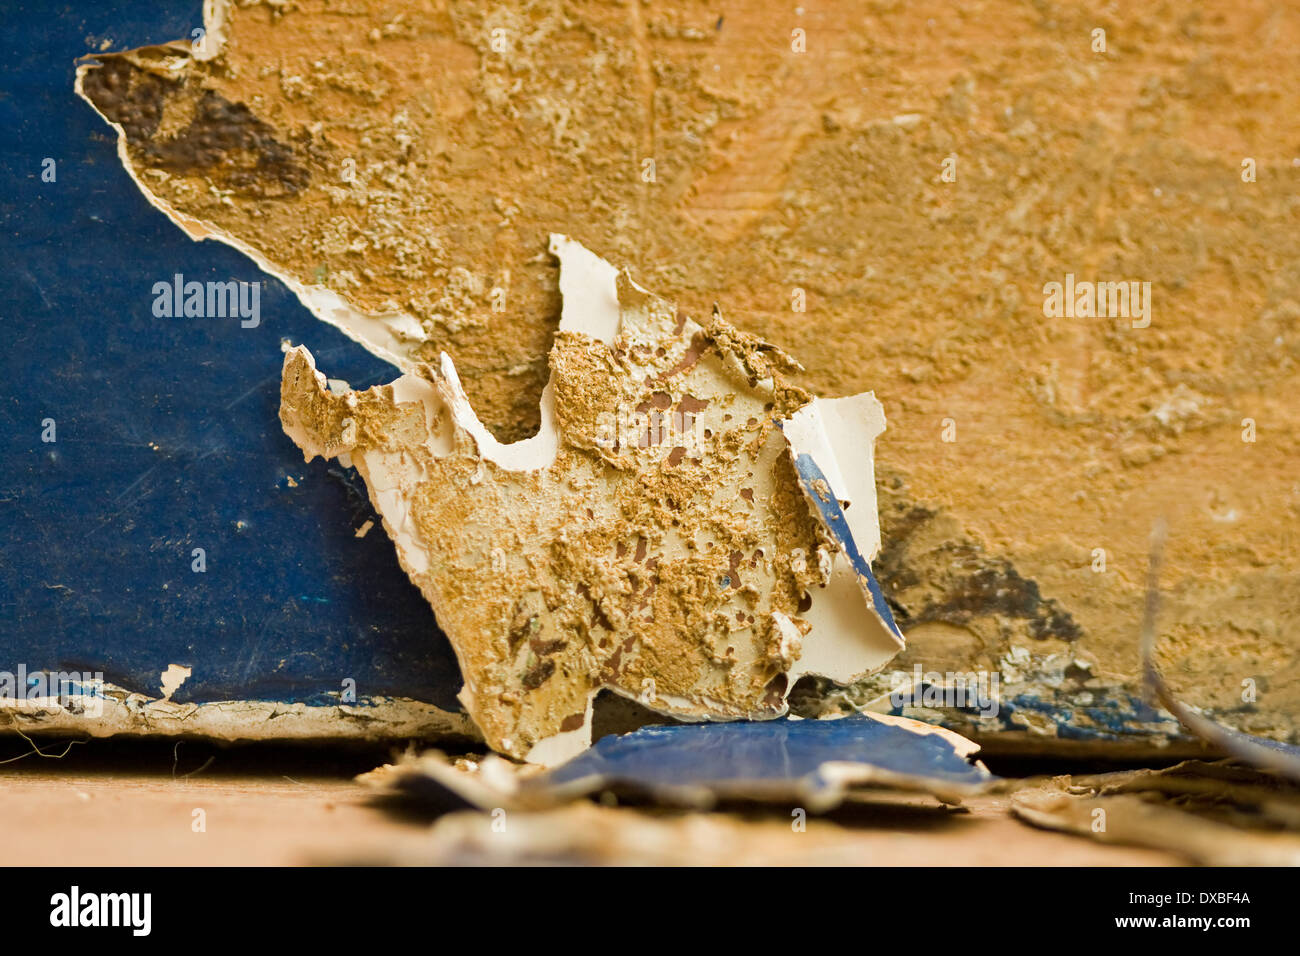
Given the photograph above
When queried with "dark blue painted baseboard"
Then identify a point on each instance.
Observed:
(167, 431)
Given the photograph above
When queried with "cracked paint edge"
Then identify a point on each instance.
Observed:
(109, 710)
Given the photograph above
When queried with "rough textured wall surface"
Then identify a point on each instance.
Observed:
(413, 158)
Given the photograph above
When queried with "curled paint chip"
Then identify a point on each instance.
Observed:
(1130, 819)
(814, 764)
(654, 538)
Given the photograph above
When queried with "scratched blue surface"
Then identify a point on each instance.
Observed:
(167, 430)
(703, 755)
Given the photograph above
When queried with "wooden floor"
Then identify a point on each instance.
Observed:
(142, 804)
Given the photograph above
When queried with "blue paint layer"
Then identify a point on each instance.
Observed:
(167, 431)
(810, 474)
(703, 755)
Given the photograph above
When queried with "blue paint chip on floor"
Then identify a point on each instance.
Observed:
(741, 757)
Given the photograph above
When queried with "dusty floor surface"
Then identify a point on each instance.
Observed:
(278, 808)
(770, 159)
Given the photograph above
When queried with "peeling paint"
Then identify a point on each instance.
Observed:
(172, 678)
(655, 537)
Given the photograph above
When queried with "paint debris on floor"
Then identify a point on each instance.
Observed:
(815, 764)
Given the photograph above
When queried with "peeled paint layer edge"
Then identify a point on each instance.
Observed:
(655, 538)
